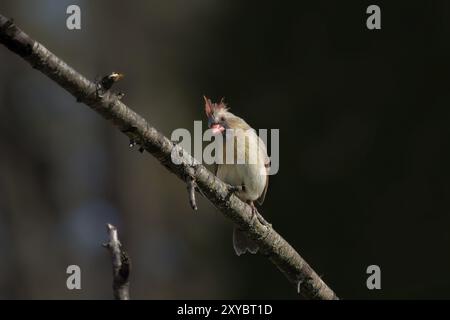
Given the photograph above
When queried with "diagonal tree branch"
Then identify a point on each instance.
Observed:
(120, 264)
(272, 245)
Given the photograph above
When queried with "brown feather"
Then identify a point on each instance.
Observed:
(208, 106)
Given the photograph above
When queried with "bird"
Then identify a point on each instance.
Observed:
(248, 178)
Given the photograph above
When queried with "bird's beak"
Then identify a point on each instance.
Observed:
(217, 128)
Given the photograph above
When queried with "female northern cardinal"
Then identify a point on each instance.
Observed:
(249, 177)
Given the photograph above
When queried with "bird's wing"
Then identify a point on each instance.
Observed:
(263, 195)
(267, 166)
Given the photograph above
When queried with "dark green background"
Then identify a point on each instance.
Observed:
(363, 118)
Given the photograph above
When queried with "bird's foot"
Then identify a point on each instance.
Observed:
(234, 189)
(256, 214)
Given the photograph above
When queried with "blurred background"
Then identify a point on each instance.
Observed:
(363, 118)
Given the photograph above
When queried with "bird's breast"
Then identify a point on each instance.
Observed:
(248, 175)
(247, 167)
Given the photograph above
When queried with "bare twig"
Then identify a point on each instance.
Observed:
(191, 190)
(191, 186)
(271, 244)
(120, 265)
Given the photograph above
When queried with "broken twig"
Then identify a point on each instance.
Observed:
(120, 264)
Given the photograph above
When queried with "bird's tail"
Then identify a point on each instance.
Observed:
(242, 243)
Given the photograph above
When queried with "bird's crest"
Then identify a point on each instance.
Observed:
(210, 107)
